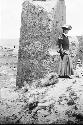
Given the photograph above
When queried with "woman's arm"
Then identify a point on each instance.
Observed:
(60, 41)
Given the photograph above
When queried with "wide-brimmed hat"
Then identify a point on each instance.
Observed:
(67, 27)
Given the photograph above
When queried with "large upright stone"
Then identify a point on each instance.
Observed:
(40, 27)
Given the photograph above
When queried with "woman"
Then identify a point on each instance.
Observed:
(65, 65)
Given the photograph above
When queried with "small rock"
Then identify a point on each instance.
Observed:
(78, 116)
(33, 105)
(76, 108)
(70, 102)
(50, 79)
(69, 122)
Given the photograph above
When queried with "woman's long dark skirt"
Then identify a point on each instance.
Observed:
(65, 66)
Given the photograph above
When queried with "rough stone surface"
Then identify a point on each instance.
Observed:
(80, 52)
(74, 49)
(40, 27)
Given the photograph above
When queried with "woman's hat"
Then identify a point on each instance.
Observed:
(67, 27)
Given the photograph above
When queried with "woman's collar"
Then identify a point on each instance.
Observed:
(65, 34)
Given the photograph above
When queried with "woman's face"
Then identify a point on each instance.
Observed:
(66, 31)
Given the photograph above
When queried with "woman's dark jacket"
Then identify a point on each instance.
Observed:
(63, 43)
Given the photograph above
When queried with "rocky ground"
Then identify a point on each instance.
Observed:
(57, 100)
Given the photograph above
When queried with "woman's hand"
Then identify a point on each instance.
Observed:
(66, 51)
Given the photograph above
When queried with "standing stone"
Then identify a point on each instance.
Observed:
(41, 23)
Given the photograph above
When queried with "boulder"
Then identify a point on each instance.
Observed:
(50, 79)
(41, 23)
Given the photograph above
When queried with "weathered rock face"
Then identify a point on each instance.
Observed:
(74, 49)
(40, 27)
(80, 53)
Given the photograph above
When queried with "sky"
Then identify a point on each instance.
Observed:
(10, 17)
